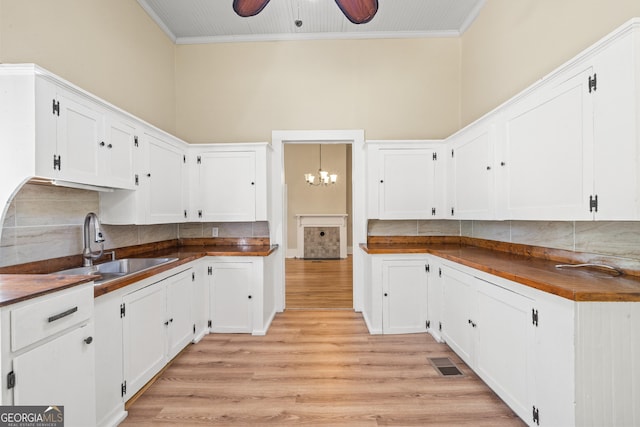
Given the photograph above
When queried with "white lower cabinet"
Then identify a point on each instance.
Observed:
(48, 353)
(156, 326)
(139, 329)
(396, 302)
(241, 294)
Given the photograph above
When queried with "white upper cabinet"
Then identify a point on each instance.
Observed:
(117, 151)
(471, 172)
(229, 182)
(564, 149)
(405, 179)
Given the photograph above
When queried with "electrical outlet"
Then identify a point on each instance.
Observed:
(214, 232)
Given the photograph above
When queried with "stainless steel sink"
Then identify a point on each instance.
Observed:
(118, 268)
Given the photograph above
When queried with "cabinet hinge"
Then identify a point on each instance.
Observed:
(194, 328)
(593, 83)
(536, 415)
(56, 108)
(428, 324)
(185, 213)
(193, 276)
(452, 152)
(439, 326)
(200, 213)
(427, 268)
(184, 158)
(137, 180)
(135, 141)
(122, 310)
(123, 389)
(433, 211)
(199, 160)
(439, 272)
(434, 156)
(57, 162)
(452, 211)
(11, 380)
(534, 317)
(209, 323)
(210, 271)
(593, 203)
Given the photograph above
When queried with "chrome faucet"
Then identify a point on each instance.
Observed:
(87, 254)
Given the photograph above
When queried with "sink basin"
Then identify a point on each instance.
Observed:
(118, 268)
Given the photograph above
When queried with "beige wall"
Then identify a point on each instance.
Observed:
(393, 89)
(515, 42)
(108, 47)
(304, 199)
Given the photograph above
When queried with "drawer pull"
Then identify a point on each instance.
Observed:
(63, 314)
(88, 340)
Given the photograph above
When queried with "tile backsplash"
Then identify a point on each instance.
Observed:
(614, 238)
(45, 222)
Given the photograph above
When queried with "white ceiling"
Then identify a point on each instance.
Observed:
(210, 21)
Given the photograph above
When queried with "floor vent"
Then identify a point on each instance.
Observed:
(445, 366)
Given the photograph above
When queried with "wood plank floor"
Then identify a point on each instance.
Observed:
(317, 367)
(319, 283)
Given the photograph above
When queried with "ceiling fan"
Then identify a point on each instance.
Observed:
(356, 11)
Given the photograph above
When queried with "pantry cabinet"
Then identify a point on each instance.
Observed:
(229, 182)
(405, 179)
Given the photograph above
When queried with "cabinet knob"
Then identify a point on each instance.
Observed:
(488, 168)
(148, 175)
(171, 320)
(253, 183)
(382, 181)
(386, 294)
(502, 163)
(88, 340)
(101, 144)
(166, 323)
(110, 146)
(249, 296)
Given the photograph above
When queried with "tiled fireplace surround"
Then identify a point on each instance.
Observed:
(46, 222)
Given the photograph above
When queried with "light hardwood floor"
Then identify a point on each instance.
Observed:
(317, 367)
(319, 283)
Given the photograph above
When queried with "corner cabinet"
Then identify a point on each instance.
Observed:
(48, 353)
(396, 300)
(241, 294)
(405, 179)
(229, 182)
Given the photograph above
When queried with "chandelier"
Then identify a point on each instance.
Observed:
(356, 11)
(323, 177)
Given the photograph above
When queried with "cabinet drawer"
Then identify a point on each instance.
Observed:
(47, 315)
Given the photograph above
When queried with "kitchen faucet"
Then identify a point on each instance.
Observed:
(87, 254)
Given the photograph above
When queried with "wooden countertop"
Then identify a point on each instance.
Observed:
(538, 272)
(20, 287)
(24, 282)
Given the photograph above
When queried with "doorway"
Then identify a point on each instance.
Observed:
(318, 270)
(278, 219)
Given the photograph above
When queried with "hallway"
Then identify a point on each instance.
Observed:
(324, 284)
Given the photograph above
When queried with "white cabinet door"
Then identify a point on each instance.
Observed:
(231, 303)
(404, 305)
(200, 300)
(615, 111)
(459, 313)
(117, 153)
(227, 186)
(179, 295)
(504, 352)
(435, 299)
(165, 181)
(144, 336)
(80, 129)
(471, 173)
(60, 372)
(548, 151)
(406, 183)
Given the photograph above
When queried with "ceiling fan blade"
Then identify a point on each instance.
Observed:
(358, 11)
(246, 8)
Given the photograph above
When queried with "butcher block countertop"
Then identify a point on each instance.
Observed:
(527, 265)
(21, 282)
(19, 287)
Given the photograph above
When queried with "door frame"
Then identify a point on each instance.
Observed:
(278, 221)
